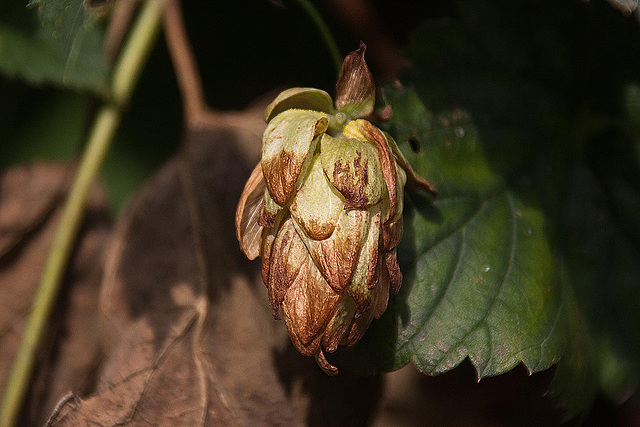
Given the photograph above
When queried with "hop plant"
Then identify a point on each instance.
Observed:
(324, 211)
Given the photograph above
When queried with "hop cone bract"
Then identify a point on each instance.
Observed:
(324, 211)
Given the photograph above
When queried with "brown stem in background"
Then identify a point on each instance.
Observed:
(197, 114)
(185, 65)
(119, 25)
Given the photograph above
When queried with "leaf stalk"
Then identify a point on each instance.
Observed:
(322, 27)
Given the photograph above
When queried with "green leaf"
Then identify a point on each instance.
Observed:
(602, 254)
(61, 44)
(478, 271)
(536, 161)
(482, 289)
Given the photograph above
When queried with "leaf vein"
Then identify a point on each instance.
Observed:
(460, 229)
(547, 336)
(483, 320)
(452, 233)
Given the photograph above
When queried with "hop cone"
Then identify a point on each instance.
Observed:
(324, 211)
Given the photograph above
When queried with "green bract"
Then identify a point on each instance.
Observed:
(324, 211)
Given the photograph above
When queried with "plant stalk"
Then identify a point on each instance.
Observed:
(322, 27)
(126, 73)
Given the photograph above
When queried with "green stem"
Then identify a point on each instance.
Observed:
(315, 16)
(137, 50)
(126, 73)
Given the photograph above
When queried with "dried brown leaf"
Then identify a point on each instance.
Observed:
(29, 193)
(31, 202)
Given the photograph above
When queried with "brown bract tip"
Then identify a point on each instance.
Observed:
(324, 364)
(387, 163)
(248, 227)
(355, 89)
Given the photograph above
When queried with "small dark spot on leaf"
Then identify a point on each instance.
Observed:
(416, 147)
